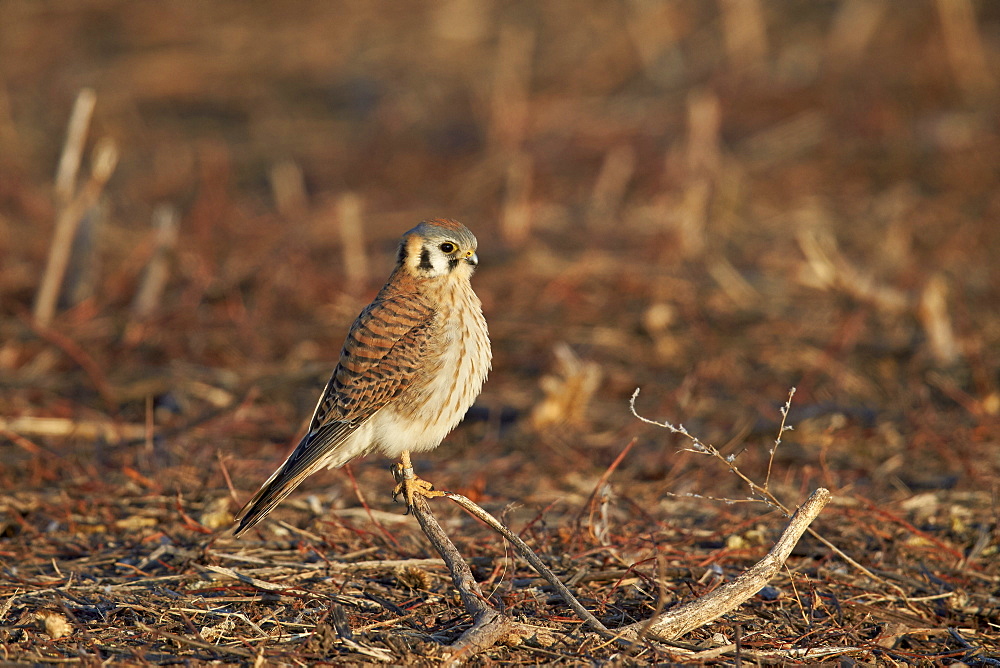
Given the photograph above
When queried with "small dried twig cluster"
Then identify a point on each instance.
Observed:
(761, 492)
(490, 625)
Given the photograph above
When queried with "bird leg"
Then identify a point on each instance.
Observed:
(408, 484)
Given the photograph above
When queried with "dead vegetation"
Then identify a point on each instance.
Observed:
(712, 201)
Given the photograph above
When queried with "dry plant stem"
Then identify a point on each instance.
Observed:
(76, 137)
(964, 47)
(532, 559)
(352, 239)
(854, 26)
(147, 297)
(764, 495)
(678, 621)
(68, 220)
(488, 624)
(201, 644)
(744, 28)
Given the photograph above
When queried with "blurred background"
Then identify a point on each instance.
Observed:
(714, 201)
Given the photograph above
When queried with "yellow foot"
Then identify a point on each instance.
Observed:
(408, 484)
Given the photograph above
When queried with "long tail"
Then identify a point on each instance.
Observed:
(318, 449)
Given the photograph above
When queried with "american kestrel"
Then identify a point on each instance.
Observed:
(413, 363)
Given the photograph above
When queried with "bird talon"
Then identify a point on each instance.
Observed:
(410, 486)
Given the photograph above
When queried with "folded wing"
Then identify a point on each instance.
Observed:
(383, 354)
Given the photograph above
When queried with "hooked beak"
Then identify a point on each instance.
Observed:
(472, 258)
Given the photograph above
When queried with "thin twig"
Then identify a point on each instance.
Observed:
(191, 642)
(764, 495)
(600, 483)
(777, 441)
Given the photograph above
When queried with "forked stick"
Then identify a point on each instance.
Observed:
(668, 625)
(489, 626)
(533, 559)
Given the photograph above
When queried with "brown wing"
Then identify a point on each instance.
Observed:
(383, 352)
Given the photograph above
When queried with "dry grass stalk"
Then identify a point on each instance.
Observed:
(147, 297)
(745, 34)
(704, 120)
(263, 585)
(964, 48)
(831, 270)
(692, 217)
(651, 29)
(54, 427)
(68, 220)
(786, 139)
(703, 156)
(933, 313)
(352, 240)
(610, 187)
(76, 138)
(289, 189)
(511, 88)
(462, 20)
(854, 26)
(78, 274)
(82, 272)
(737, 288)
(515, 215)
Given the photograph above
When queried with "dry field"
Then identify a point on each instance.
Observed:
(714, 202)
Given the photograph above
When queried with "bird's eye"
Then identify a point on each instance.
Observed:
(447, 247)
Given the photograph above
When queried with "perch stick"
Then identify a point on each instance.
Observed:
(676, 622)
(532, 559)
(488, 624)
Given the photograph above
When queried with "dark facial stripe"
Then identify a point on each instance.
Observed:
(425, 260)
(402, 254)
(452, 263)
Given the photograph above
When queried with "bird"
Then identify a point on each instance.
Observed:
(414, 361)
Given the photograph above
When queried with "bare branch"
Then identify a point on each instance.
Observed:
(489, 625)
(678, 621)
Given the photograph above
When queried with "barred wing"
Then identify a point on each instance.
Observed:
(383, 354)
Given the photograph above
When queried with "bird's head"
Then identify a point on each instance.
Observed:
(439, 247)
